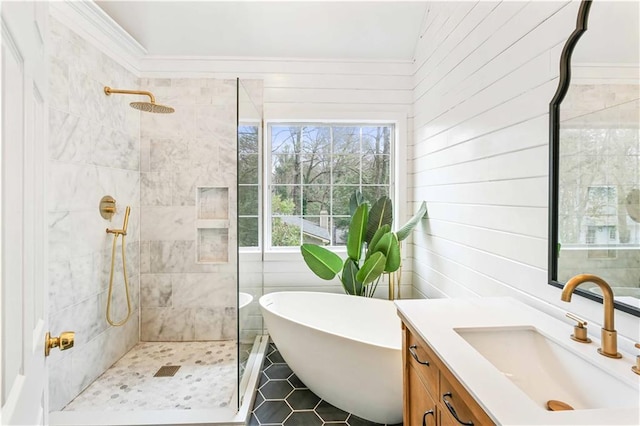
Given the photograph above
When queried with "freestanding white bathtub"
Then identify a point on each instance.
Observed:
(346, 349)
(243, 302)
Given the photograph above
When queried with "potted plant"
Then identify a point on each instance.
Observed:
(373, 249)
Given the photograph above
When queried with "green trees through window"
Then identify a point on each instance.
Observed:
(313, 170)
(249, 185)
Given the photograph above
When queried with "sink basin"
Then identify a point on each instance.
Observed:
(544, 370)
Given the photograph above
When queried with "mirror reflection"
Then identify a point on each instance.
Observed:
(599, 165)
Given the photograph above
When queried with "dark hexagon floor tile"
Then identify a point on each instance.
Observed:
(263, 379)
(276, 389)
(303, 418)
(253, 421)
(357, 421)
(259, 400)
(278, 371)
(296, 383)
(272, 412)
(266, 364)
(303, 399)
(329, 413)
(276, 358)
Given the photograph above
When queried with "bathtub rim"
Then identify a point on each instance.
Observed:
(340, 335)
(244, 303)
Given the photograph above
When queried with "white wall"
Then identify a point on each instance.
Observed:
(484, 75)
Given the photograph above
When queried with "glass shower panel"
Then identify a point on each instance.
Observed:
(249, 133)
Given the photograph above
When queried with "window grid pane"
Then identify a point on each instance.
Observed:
(249, 185)
(313, 181)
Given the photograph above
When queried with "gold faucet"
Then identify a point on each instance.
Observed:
(609, 344)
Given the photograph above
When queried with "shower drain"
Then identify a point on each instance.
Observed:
(167, 371)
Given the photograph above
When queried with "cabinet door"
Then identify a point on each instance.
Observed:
(421, 358)
(459, 408)
(422, 408)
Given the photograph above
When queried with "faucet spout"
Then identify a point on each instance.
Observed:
(609, 345)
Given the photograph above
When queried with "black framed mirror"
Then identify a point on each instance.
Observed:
(594, 154)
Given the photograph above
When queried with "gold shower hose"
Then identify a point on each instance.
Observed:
(115, 233)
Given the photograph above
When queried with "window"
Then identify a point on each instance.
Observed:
(601, 201)
(249, 185)
(314, 169)
(601, 234)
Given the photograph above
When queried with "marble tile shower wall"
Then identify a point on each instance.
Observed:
(93, 151)
(183, 299)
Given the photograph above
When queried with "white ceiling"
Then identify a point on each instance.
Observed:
(375, 30)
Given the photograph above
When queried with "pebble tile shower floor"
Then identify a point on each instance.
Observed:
(283, 400)
(206, 378)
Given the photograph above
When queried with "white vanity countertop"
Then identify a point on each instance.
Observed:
(435, 320)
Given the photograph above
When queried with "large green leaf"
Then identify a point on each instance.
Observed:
(349, 281)
(381, 214)
(376, 237)
(408, 227)
(357, 229)
(372, 268)
(389, 246)
(324, 263)
(355, 200)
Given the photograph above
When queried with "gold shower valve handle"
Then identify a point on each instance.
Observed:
(64, 341)
(579, 330)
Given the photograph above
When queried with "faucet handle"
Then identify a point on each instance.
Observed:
(636, 368)
(579, 330)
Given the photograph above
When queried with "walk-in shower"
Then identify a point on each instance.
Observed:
(200, 337)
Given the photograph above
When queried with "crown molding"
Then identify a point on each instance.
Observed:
(93, 24)
(89, 21)
(605, 73)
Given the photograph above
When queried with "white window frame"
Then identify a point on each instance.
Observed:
(397, 180)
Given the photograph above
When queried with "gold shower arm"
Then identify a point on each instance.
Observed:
(108, 90)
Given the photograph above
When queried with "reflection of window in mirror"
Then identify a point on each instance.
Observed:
(600, 152)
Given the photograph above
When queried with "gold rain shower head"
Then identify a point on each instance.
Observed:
(150, 106)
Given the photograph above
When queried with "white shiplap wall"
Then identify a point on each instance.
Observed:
(484, 75)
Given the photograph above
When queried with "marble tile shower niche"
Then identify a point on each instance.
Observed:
(188, 244)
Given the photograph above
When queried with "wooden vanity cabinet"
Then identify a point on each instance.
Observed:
(432, 395)
(422, 410)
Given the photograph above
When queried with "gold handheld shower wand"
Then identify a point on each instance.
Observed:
(122, 231)
(115, 233)
(150, 106)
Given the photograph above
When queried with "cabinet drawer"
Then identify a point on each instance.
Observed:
(458, 406)
(422, 407)
(422, 358)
